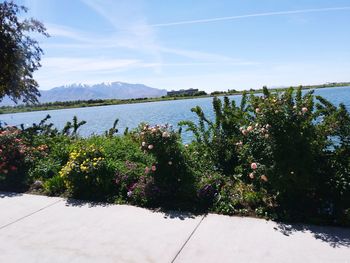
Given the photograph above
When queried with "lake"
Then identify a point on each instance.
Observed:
(101, 118)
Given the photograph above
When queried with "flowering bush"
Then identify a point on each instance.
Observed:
(286, 145)
(170, 170)
(16, 157)
(86, 174)
(136, 186)
(12, 157)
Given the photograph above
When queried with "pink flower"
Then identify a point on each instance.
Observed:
(251, 175)
(150, 147)
(254, 166)
(250, 128)
(147, 170)
(244, 132)
(165, 135)
(154, 168)
(304, 110)
(257, 110)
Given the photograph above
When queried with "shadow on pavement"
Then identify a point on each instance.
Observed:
(178, 215)
(167, 214)
(334, 236)
(9, 194)
(81, 203)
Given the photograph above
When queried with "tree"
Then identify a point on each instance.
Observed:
(20, 54)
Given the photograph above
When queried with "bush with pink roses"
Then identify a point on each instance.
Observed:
(170, 171)
(16, 156)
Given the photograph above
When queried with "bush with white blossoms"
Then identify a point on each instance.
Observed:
(286, 145)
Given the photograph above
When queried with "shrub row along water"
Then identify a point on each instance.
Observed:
(280, 155)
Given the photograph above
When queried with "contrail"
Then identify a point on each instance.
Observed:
(208, 20)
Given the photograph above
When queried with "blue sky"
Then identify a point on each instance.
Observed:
(204, 44)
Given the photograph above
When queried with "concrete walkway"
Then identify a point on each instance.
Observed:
(44, 229)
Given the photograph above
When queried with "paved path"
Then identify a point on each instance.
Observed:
(45, 229)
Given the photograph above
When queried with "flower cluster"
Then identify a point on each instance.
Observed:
(256, 129)
(13, 151)
(85, 160)
(257, 169)
(16, 156)
(151, 134)
(154, 139)
(135, 188)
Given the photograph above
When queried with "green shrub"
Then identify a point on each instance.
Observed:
(55, 186)
(243, 199)
(214, 136)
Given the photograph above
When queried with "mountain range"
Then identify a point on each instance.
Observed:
(113, 90)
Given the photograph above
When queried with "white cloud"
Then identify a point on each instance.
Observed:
(227, 18)
(69, 64)
(130, 24)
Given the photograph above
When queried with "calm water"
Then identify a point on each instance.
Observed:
(101, 118)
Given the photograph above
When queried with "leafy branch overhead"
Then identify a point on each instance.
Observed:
(20, 53)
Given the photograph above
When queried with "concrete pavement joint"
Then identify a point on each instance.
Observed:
(188, 239)
(37, 211)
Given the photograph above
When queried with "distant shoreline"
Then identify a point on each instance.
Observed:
(109, 102)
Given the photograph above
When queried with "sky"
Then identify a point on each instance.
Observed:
(205, 44)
